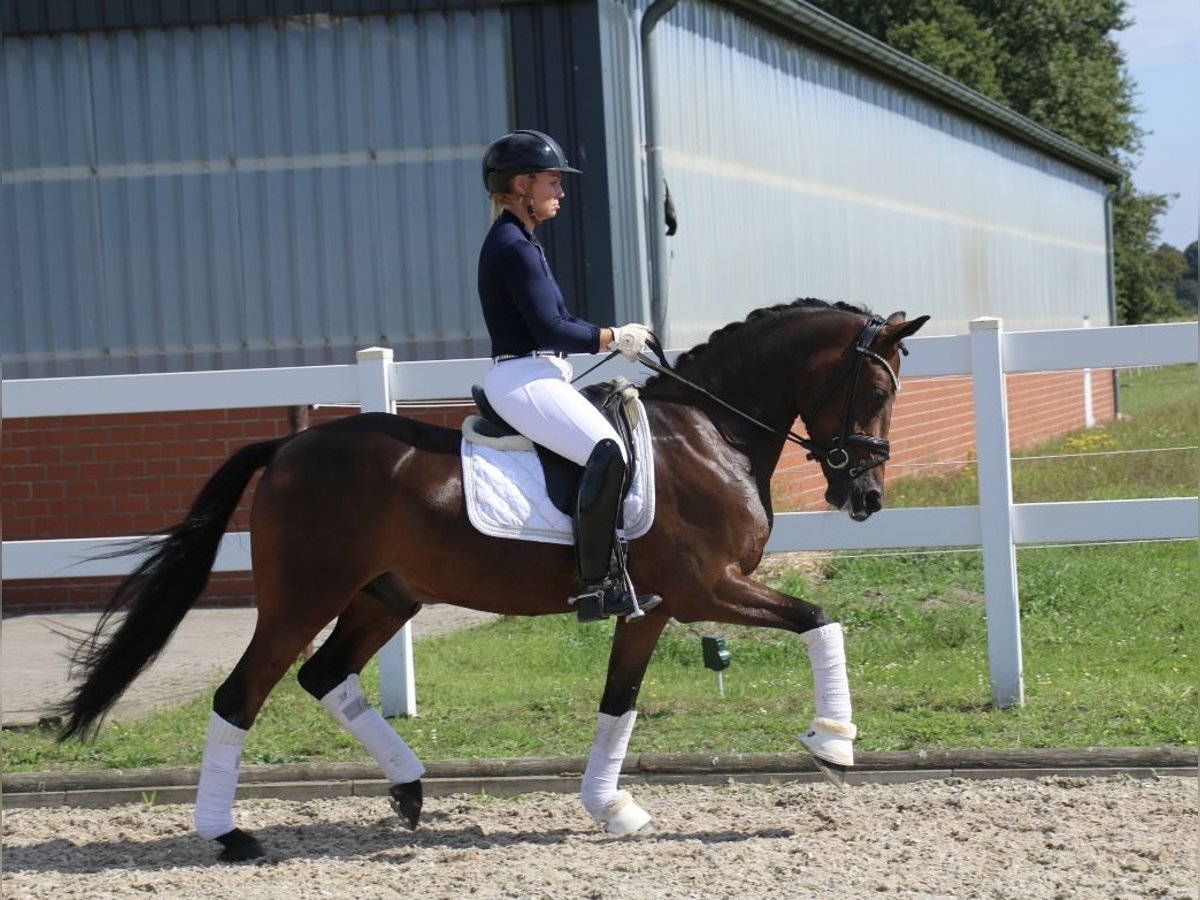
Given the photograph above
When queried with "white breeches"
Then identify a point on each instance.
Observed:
(535, 397)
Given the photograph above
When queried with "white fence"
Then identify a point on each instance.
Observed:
(996, 524)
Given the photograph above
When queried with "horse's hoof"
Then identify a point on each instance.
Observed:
(834, 773)
(623, 816)
(239, 846)
(831, 745)
(406, 801)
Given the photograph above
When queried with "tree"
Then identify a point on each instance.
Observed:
(1142, 294)
(1056, 62)
(1187, 281)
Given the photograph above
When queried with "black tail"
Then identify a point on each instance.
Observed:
(158, 594)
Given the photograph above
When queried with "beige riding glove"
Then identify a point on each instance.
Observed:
(630, 339)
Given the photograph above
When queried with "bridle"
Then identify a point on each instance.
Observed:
(836, 455)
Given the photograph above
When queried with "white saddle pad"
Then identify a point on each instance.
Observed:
(506, 492)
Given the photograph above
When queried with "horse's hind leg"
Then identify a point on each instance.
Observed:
(331, 675)
(236, 704)
(614, 809)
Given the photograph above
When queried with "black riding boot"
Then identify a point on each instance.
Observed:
(604, 585)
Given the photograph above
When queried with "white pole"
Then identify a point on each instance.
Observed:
(995, 513)
(397, 678)
(1089, 415)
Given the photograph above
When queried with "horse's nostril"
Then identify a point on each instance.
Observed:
(874, 501)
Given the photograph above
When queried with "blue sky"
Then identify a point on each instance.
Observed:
(1162, 52)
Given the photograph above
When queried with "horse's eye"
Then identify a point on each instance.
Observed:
(878, 397)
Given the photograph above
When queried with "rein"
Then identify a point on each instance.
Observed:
(836, 455)
(807, 443)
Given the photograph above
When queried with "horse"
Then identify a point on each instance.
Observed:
(363, 520)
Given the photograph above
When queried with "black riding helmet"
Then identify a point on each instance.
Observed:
(520, 153)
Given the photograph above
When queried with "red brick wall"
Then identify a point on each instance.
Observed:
(102, 476)
(933, 422)
(118, 475)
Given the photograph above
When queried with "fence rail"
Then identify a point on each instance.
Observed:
(996, 524)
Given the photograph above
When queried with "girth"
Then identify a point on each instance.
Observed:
(562, 474)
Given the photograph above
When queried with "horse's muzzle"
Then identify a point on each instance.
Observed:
(860, 498)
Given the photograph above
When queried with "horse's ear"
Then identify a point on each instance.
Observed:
(897, 328)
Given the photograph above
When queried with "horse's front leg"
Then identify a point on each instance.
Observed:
(614, 809)
(830, 737)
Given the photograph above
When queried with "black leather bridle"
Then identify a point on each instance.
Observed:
(836, 455)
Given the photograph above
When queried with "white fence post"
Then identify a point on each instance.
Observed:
(995, 513)
(1089, 413)
(397, 678)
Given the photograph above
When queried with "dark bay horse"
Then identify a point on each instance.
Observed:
(363, 520)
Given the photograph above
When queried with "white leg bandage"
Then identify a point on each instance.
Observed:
(831, 688)
(354, 712)
(614, 809)
(218, 778)
(831, 734)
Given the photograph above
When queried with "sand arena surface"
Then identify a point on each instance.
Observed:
(1054, 837)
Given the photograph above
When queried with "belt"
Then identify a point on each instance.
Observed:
(504, 357)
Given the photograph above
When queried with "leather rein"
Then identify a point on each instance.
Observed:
(836, 456)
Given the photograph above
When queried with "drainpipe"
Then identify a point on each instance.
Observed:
(1112, 195)
(655, 234)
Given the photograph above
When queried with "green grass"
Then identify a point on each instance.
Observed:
(1110, 637)
(1160, 409)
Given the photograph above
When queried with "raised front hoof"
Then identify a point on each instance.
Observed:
(835, 773)
(406, 801)
(831, 746)
(239, 846)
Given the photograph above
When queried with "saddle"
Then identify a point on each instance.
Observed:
(617, 402)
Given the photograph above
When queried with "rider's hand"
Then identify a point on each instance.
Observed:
(630, 339)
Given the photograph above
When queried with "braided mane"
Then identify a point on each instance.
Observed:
(804, 304)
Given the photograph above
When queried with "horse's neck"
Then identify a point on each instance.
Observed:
(763, 390)
(745, 454)
(764, 383)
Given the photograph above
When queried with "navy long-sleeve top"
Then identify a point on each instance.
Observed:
(522, 304)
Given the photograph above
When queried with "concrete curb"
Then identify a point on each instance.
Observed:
(510, 777)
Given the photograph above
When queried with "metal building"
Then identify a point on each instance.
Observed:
(229, 183)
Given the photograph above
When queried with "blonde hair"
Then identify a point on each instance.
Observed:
(499, 203)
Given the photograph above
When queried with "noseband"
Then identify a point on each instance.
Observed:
(836, 456)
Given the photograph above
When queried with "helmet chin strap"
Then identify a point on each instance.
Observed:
(526, 205)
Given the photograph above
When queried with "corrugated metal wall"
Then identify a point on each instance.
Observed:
(621, 51)
(247, 195)
(558, 87)
(284, 192)
(796, 174)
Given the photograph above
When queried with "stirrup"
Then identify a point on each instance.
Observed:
(609, 598)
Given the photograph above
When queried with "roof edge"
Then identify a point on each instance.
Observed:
(826, 30)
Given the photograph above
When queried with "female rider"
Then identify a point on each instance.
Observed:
(529, 382)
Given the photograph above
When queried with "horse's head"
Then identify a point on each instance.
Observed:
(849, 426)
